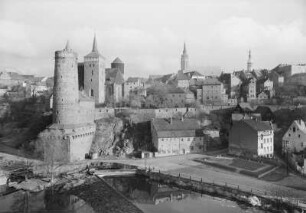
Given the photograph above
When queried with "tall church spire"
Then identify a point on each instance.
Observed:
(185, 50)
(184, 59)
(249, 63)
(94, 45)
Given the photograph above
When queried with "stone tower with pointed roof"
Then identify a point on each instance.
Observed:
(184, 59)
(118, 64)
(94, 74)
(65, 90)
(249, 63)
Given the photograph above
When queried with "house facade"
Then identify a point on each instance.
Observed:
(251, 138)
(213, 91)
(294, 140)
(177, 136)
(131, 84)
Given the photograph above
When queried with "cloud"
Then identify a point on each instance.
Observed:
(15, 39)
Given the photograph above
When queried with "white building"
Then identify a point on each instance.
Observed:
(177, 136)
(251, 138)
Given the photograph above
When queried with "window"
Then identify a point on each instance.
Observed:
(191, 148)
(289, 135)
(299, 136)
(92, 72)
(188, 139)
(293, 129)
(264, 140)
(261, 145)
(91, 92)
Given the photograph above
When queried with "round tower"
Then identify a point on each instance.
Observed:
(118, 64)
(65, 90)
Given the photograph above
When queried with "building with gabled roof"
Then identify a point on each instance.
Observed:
(294, 140)
(177, 136)
(212, 92)
(249, 137)
(182, 80)
(94, 74)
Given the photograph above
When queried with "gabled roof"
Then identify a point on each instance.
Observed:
(134, 79)
(117, 61)
(94, 52)
(181, 76)
(211, 81)
(257, 125)
(114, 76)
(162, 124)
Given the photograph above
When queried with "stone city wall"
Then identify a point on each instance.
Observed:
(104, 113)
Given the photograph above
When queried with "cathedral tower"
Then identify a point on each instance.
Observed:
(184, 59)
(94, 74)
(249, 64)
(65, 90)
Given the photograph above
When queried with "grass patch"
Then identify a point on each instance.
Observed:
(245, 164)
(276, 175)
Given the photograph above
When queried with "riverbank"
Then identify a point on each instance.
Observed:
(265, 203)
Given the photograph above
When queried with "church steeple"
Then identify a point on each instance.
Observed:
(94, 45)
(184, 59)
(249, 63)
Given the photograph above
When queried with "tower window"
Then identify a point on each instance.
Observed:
(92, 72)
(92, 92)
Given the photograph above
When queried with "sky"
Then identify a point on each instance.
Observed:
(148, 35)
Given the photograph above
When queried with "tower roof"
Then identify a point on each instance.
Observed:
(250, 56)
(94, 45)
(94, 52)
(185, 50)
(117, 61)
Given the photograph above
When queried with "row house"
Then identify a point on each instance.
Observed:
(177, 136)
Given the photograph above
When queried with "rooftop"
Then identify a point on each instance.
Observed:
(117, 61)
(162, 124)
(211, 81)
(114, 76)
(258, 125)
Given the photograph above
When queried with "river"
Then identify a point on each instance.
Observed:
(148, 196)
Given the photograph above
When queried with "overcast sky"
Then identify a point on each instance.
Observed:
(148, 35)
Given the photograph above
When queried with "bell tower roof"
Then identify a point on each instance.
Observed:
(94, 52)
(185, 50)
(94, 45)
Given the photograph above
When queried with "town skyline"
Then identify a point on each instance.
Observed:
(154, 43)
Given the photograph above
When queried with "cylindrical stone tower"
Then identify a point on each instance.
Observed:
(65, 91)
